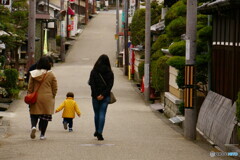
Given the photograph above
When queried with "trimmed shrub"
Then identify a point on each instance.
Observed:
(202, 19)
(178, 62)
(137, 27)
(161, 42)
(176, 28)
(205, 34)
(158, 73)
(11, 78)
(14, 92)
(156, 55)
(178, 48)
(202, 68)
(141, 70)
(156, 11)
(178, 9)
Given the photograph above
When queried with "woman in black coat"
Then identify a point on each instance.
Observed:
(101, 82)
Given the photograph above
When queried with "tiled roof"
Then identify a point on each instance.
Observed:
(214, 6)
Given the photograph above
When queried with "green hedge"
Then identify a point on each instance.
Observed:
(178, 62)
(178, 48)
(156, 11)
(176, 28)
(161, 42)
(158, 73)
(11, 78)
(141, 70)
(205, 34)
(202, 68)
(178, 9)
(137, 27)
(156, 55)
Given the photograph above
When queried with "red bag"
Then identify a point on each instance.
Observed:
(31, 98)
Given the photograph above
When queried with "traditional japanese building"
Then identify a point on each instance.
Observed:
(225, 58)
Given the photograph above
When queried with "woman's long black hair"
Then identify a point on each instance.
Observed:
(102, 64)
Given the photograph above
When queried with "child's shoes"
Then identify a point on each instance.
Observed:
(65, 125)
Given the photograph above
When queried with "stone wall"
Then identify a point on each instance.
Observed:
(171, 104)
(173, 98)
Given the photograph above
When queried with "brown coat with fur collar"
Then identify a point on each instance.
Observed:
(46, 93)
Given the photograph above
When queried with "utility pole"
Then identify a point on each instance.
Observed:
(147, 50)
(126, 37)
(67, 28)
(117, 30)
(31, 32)
(190, 91)
(86, 15)
(62, 51)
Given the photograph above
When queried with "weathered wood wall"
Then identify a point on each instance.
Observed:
(216, 119)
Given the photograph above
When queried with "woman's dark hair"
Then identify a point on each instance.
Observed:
(103, 61)
(70, 94)
(50, 60)
(44, 63)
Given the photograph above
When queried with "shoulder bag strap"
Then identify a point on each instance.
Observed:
(41, 81)
(102, 79)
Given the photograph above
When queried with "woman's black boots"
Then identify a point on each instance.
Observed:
(100, 137)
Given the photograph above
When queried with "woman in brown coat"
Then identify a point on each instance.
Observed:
(44, 107)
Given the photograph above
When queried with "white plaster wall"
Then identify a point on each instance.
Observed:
(172, 77)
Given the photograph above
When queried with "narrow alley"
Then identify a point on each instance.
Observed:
(133, 131)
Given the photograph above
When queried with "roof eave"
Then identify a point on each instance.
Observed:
(211, 8)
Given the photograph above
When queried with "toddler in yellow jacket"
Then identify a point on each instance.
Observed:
(70, 107)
